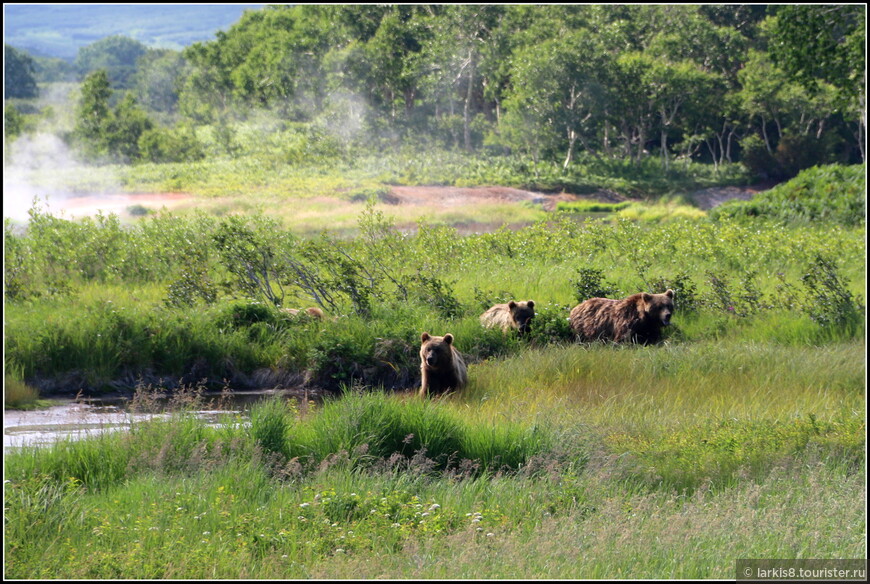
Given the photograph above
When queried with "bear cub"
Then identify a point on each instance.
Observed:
(441, 365)
(513, 315)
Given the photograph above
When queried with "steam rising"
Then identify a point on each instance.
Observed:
(39, 170)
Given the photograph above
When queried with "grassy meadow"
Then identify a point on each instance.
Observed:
(741, 435)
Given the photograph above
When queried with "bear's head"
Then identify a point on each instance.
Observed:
(659, 307)
(522, 314)
(436, 351)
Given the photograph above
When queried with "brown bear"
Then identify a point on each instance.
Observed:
(636, 319)
(312, 312)
(441, 365)
(513, 315)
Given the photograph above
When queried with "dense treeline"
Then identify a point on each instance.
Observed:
(712, 83)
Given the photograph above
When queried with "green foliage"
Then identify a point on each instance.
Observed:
(592, 207)
(13, 122)
(373, 428)
(713, 452)
(117, 55)
(105, 132)
(204, 308)
(833, 193)
(591, 284)
(19, 76)
(815, 44)
(170, 145)
(829, 301)
(550, 439)
(93, 110)
(551, 324)
(508, 80)
(271, 420)
(252, 258)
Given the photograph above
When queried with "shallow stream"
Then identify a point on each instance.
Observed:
(76, 419)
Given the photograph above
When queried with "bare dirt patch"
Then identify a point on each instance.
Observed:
(706, 199)
(446, 196)
(120, 204)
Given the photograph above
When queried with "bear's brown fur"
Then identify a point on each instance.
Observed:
(513, 315)
(441, 365)
(636, 319)
(312, 312)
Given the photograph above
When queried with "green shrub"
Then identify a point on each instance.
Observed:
(591, 284)
(834, 193)
(170, 145)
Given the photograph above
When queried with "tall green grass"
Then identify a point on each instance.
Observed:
(553, 470)
(374, 428)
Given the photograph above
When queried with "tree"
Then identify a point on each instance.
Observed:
(13, 122)
(672, 86)
(814, 43)
(271, 57)
(454, 55)
(158, 78)
(103, 131)
(631, 105)
(769, 95)
(124, 127)
(92, 113)
(557, 92)
(19, 76)
(117, 55)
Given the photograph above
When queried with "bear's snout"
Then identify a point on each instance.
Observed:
(431, 359)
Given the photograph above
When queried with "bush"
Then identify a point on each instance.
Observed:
(757, 159)
(170, 145)
(591, 284)
(829, 301)
(824, 193)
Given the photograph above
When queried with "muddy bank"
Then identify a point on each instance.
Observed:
(329, 381)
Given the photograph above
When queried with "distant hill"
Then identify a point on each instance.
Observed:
(52, 30)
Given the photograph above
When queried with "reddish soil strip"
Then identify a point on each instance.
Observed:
(118, 203)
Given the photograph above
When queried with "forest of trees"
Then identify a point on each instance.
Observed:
(779, 88)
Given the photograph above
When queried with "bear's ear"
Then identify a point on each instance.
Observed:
(669, 293)
(647, 297)
(530, 303)
(448, 338)
(425, 337)
(512, 304)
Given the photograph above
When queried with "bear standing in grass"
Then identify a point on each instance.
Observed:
(513, 315)
(636, 319)
(441, 365)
